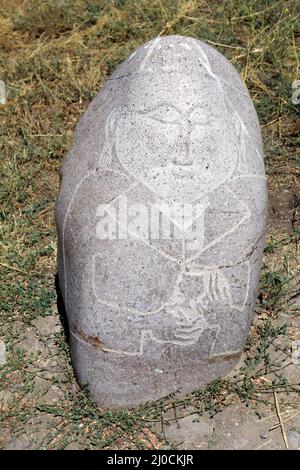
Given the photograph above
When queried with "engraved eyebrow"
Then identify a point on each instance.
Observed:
(157, 106)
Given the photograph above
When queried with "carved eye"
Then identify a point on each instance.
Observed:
(164, 113)
(200, 116)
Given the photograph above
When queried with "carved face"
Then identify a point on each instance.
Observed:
(175, 135)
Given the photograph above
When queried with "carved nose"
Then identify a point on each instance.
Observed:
(182, 154)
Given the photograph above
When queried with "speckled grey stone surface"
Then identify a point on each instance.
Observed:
(151, 314)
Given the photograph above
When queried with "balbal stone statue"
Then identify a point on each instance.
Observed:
(161, 218)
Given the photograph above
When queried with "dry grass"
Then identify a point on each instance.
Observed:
(55, 56)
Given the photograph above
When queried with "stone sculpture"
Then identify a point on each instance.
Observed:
(161, 218)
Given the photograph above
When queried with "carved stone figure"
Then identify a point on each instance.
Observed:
(161, 218)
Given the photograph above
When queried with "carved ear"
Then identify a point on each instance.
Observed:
(109, 144)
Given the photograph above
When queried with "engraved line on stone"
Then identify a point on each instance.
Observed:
(241, 92)
(250, 140)
(132, 55)
(149, 46)
(206, 64)
(246, 216)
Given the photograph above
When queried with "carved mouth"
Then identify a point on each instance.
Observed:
(181, 171)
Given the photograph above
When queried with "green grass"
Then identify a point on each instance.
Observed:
(55, 57)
